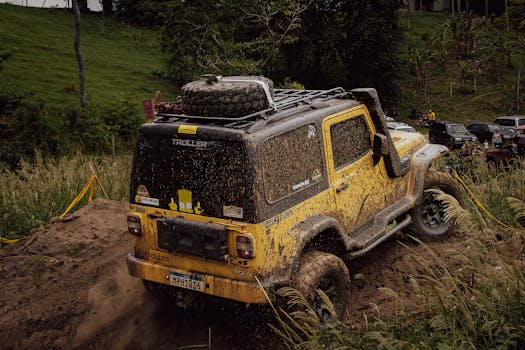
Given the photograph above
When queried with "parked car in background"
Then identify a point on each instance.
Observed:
(519, 139)
(511, 121)
(400, 126)
(509, 154)
(451, 134)
(490, 132)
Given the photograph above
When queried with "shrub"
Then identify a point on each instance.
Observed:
(24, 126)
(38, 191)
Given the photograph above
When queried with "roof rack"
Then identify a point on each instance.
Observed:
(284, 99)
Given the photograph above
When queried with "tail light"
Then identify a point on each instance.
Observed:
(244, 246)
(134, 225)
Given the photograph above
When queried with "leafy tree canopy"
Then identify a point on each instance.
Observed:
(320, 43)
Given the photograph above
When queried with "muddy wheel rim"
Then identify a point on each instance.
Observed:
(432, 211)
(329, 286)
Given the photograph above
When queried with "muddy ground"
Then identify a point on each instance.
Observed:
(66, 286)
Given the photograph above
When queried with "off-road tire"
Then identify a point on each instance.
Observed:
(428, 215)
(225, 98)
(319, 270)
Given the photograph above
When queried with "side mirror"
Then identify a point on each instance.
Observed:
(380, 147)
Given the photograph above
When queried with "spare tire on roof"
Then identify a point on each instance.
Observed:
(228, 97)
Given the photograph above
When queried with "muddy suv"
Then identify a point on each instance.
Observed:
(250, 189)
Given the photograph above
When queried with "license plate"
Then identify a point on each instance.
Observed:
(187, 281)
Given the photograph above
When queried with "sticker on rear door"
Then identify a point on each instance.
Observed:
(147, 200)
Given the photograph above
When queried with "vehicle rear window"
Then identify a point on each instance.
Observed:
(458, 128)
(291, 162)
(203, 177)
(505, 122)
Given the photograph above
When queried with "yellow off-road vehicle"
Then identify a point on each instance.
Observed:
(250, 187)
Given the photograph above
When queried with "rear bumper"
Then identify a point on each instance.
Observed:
(241, 291)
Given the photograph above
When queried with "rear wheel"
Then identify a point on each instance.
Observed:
(324, 271)
(428, 216)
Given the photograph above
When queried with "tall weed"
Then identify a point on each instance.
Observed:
(38, 191)
(474, 292)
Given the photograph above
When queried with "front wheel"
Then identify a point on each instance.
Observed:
(428, 216)
(324, 271)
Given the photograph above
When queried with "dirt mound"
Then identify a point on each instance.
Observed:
(66, 286)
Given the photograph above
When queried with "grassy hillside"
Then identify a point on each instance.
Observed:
(119, 59)
(445, 92)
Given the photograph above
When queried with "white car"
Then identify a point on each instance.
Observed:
(400, 126)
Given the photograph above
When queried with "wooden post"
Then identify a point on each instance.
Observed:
(78, 52)
(113, 144)
(518, 78)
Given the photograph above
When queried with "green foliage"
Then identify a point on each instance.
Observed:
(226, 37)
(24, 126)
(38, 191)
(347, 43)
(319, 44)
(96, 127)
(145, 13)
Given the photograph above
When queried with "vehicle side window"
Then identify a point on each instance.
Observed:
(505, 122)
(350, 140)
(521, 121)
(291, 162)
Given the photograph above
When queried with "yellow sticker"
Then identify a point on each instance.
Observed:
(185, 201)
(173, 205)
(188, 129)
(197, 209)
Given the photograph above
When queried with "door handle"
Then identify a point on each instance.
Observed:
(341, 188)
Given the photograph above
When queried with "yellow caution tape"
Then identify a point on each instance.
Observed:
(477, 201)
(88, 186)
(5, 240)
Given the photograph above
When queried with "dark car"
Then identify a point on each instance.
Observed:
(490, 132)
(451, 134)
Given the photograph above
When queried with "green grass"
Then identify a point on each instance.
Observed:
(491, 99)
(119, 59)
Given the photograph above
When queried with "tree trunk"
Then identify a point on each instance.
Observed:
(83, 6)
(518, 78)
(509, 60)
(107, 8)
(80, 59)
(507, 14)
